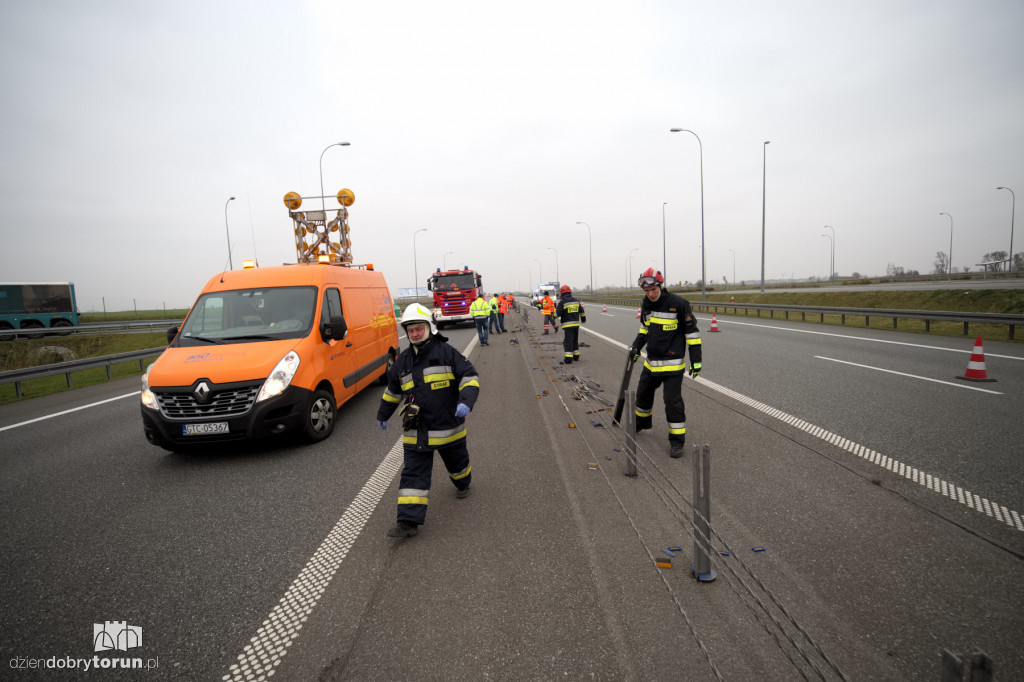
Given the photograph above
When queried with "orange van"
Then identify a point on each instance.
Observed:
(271, 350)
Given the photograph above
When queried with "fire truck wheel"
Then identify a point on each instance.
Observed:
(320, 415)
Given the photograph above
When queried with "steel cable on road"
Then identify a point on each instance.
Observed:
(585, 392)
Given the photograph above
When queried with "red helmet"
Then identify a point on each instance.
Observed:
(650, 277)
(565, 289)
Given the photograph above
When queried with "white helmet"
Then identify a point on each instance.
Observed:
(417, 313)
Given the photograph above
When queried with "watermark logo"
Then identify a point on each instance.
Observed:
(114, 634)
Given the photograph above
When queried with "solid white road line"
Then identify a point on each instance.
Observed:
(73, 409)
(912, 376)
(980, 504)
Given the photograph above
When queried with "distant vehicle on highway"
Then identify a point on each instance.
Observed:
(38, 308)
(454, 292)
(268, 351)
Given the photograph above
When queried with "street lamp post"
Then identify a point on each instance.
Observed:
(832, 266)
(830, 243)
(733, 268)
(764, 196)
(664, 251)
(231, 266)
(415, 266)
(629, 260)
(322, 204)
(949, 268)
(1013, 209)
(703, 275)
(540, 273)
(590, 244)
(444, 260)
(557, 278)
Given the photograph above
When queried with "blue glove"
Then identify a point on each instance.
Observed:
(461, 410)
(382, 424)
(694, 369)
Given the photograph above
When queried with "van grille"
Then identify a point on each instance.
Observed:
(223, 403)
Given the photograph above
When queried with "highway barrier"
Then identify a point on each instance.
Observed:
(16, 376)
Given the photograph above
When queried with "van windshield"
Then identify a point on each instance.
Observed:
(250, 315)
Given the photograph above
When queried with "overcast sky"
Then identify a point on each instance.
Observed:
(497, 126)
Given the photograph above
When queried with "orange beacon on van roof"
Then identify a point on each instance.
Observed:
(274, 350)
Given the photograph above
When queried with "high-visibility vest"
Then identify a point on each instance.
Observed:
(480, 308)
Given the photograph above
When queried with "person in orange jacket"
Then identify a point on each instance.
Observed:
(547, 309)
(503, 307)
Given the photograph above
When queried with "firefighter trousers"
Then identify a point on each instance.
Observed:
(571, 342)
(414, 487)
(672, 392)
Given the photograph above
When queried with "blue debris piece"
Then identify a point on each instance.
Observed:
(757, 549)
(597, 424)
(616, 450)
(671, 554)
(724, 553)
(607, 456)
(676, 549)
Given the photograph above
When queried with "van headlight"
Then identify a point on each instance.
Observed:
(148, 397)
(281, 377)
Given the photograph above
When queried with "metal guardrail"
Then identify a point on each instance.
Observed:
(928, 316)
(16, 376)
(92, 328)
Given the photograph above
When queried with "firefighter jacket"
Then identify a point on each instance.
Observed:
(668, 329)
(436, 378)
(494, 304)
(480, 308)
(547, 306)
(570, 311)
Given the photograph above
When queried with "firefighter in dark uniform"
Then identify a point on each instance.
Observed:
(669, 330)
(436, 387)
(570, 312)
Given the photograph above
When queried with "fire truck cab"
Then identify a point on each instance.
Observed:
(454, 291)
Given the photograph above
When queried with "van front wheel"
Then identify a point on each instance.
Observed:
(320, 414)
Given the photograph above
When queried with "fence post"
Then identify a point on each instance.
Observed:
(630, 435)
(702, 514)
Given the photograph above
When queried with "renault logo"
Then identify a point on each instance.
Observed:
(202, 392)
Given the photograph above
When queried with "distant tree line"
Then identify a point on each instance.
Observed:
(997, 259)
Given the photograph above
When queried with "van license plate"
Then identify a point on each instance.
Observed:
(204, 429)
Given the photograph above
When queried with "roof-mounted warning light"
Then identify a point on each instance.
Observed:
(248, 264)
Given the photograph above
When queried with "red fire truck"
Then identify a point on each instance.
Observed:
(454, 291)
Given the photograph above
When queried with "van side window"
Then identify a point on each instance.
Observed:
(332, 305)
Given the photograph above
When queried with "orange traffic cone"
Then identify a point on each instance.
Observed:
(976, 365)
(638, 312)
(604, 308)
(732, 299)
(714, 323)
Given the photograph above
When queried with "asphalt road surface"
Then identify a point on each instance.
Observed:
(885, 493)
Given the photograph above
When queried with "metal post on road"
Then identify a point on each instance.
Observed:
(631, 469)
(764, 197)
(702, 568)
(832, 262)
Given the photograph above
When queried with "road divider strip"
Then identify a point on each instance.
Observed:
(965, 497)
(270, 643)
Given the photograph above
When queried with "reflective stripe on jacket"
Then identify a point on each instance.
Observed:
(570, 311)
(438, 378)
(669, 331)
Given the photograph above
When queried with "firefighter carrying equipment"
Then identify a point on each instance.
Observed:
(437, 378)
(669, 331)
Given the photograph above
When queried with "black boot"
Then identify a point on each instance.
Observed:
(677, 450)
(403, 529)
(462, 493)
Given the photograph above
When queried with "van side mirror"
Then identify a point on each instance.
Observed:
(171, 333)
(336, 329)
